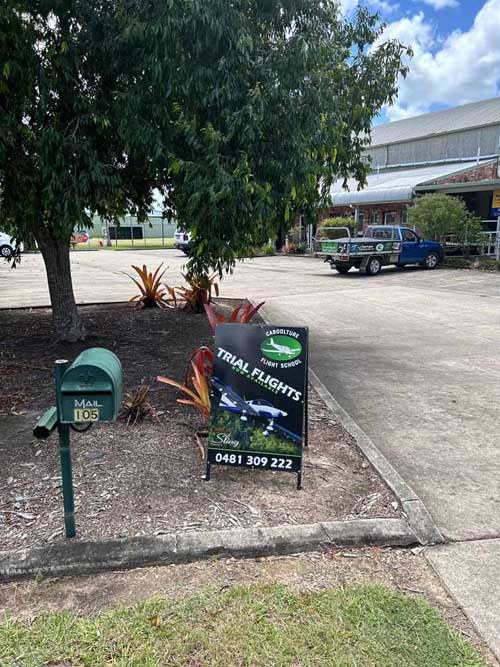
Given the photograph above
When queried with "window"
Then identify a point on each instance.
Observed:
(389, 218)
(382, 233)
(361, 220)
(409, 236)
(373, 217)
(404, 217)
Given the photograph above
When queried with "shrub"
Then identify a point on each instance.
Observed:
(337, 221)
(458, 263)
(445, 218)
(268, 249)
(488, 264)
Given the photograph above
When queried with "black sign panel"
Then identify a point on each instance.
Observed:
(259, 387)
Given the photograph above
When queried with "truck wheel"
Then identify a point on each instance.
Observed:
(431, 261)
(5, 251)
(373, 267)
(342, 269)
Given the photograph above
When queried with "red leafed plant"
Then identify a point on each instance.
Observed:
(240, 318)
(199, 291)
(152, 292)
(198, 395)
(203, 359)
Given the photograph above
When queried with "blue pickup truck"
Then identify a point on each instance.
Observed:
(382, 245)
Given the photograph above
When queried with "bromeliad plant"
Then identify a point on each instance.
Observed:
(199, 291)
(136, 405)
(198, 393)
(236, 316)
(152, 292)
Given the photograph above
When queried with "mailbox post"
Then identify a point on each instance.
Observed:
(65, 455)
(87, 391)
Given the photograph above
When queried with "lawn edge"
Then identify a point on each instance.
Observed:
(78, 557)
(417, 515)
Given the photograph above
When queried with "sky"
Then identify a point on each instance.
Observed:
(456, 46)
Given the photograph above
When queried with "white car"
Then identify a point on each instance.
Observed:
(182, 241)
(8, 245)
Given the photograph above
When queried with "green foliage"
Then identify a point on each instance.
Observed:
(261, 626)
(488, 264)
(458, 263)
(241, 113)
(250, 434)
(445, 218)
(338, 221)
(64, 152)
(268, 249)
(260, 106)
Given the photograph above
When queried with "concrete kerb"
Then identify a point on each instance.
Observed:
(414, 509)
(75, 557)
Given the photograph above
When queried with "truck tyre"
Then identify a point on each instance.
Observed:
(373, 266)
(5, 251)
(342, 269)
(431, 261)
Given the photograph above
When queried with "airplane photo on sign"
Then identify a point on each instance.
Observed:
(280, 349)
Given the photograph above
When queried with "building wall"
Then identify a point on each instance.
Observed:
(367, 210)
(454, 145)
(150, 230)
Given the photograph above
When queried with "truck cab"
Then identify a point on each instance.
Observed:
(382, 245)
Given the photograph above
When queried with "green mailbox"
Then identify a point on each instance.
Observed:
(91, 388)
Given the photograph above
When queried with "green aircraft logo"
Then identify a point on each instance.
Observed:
(281, 348)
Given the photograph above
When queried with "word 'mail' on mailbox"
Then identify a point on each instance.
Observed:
(88, 390)
(91, 388)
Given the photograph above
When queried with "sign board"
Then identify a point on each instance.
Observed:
(362, 246)
(495, 205)
(259, 397)
(79, 237)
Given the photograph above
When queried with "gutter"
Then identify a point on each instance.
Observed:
(429, 163)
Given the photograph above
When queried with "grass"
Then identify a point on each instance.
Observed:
(126, 244)
(368, 626)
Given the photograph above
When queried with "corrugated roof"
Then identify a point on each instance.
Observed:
(397, 186)
(486, 112)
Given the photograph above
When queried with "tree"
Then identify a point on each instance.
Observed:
(265, 105)
(241, 113)
(443, 217)
(64, 153)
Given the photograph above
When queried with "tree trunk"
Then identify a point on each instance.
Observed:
(280, 238)
(67, 323)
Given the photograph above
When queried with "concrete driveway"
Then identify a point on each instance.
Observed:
(413, 356)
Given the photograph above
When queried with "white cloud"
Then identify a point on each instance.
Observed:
(441, 4)
(348, 6)
(384, 6)
(462, 67)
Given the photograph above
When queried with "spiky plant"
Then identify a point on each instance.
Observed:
(199, 291)
(236, 316)
(198, 395)
(136, 405)
(152, 292)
